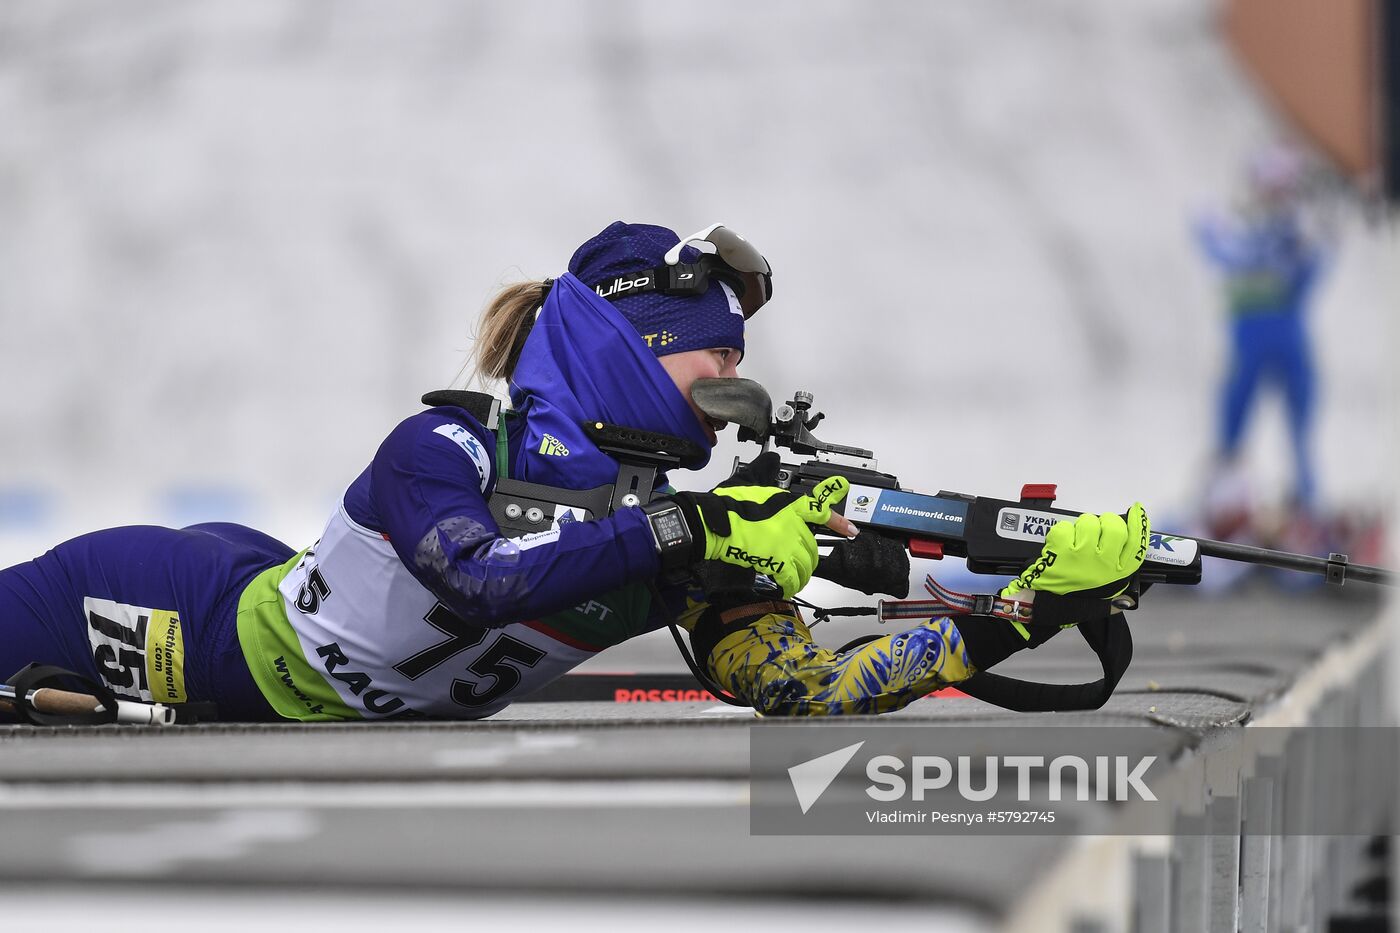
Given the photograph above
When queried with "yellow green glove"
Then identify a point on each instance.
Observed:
(1083, 565)
(765, 528)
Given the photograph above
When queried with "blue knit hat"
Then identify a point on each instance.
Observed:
(668, 323)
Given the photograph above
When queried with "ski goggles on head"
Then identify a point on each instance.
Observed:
(729, 258)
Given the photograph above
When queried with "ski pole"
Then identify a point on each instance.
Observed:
(68, 703)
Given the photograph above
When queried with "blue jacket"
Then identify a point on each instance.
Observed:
(427, 488)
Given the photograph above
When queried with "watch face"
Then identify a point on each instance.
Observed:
(669, 527)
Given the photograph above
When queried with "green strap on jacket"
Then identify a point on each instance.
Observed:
(502, 444)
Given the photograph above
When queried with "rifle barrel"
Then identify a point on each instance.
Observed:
(1338, 571)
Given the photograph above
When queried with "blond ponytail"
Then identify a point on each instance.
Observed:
(504, 326)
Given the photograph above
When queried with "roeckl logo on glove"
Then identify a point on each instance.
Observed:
(820, 497)
(757, 563)
(1043, 563)
(1142, 539)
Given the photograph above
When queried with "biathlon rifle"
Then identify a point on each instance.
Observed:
(995, 536)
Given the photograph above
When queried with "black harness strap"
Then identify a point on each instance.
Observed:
(1112, 643)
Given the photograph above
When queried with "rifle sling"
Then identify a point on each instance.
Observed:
(1111, 641)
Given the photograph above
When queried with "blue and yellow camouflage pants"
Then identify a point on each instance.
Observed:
(769, 660)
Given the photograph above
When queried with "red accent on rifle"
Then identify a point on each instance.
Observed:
(928, 550)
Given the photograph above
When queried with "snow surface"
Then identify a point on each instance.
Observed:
(240, 239)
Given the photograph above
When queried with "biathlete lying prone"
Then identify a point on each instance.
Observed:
(413, 602)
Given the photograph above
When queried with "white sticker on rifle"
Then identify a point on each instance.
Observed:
(1169, 549)
(861, 502)
(1023, 525)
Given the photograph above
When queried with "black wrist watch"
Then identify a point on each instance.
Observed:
(674, 541)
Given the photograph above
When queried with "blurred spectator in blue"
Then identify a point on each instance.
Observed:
(1269, 261)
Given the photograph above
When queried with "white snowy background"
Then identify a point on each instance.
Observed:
(239, 239)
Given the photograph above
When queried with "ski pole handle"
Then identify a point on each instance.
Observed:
(49, 700)
(68, 703)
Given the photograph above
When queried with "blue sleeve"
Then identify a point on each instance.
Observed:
(1220, 244)
(429, 483)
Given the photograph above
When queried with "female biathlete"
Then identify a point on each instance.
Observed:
(413, 603)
